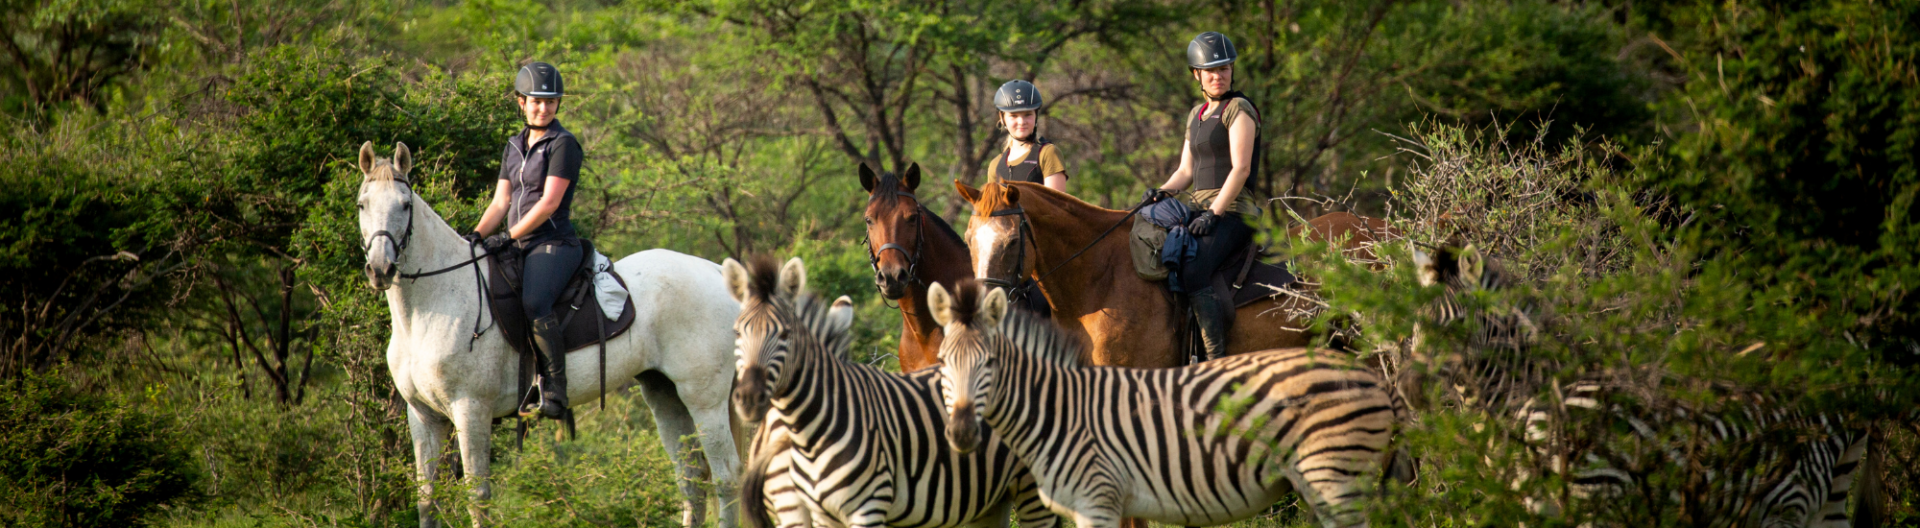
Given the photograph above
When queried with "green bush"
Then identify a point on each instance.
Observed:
(72, 459)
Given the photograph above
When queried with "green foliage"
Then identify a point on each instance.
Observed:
(73, 52)
(1794, 143)
(74, 459)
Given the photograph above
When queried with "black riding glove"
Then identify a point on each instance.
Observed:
(1155, 195)
(1203, 224)
(499, 242)
(473, 238)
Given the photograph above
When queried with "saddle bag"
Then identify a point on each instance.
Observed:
(1145, 243)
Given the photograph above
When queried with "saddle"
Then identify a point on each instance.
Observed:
(577, 307)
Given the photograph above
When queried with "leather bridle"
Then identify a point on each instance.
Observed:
(1020, 286)
(919, 246)
(399, 244)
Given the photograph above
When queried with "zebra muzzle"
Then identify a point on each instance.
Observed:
(963, 428)
(750, 394)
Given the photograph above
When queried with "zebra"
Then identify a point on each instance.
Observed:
(768, 460)
(1786, 468)
(1199, 445)
(862, 446)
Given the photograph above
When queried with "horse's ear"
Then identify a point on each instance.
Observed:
(867, 177)
(402, 158)
(793, 278)
(737, 279)
(992, 309)
(366, 157)
(971, 195)
(1013, 194)
(913, 176)
(1424, 268)
(940, 303)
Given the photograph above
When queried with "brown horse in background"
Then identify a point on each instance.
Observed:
(1126, 320)
(909, 247)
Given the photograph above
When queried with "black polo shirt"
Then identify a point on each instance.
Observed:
(527, 167)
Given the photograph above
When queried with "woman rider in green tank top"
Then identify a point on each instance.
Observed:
(1219, 156)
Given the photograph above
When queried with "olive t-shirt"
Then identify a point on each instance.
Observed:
(1050, 163)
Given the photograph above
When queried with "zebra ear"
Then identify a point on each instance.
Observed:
(793, 278)
(941, 303)
(1423, 267)
(366, 157)
(1472, 265)
(840, 316)
(992, 309)
(736, 278)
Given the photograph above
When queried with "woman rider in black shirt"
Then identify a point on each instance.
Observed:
(1219, 156)
(535, 197)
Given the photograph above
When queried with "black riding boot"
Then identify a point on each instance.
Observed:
(553, 386)
(1215, 320)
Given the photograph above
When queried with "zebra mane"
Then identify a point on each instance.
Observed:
(1039, 337)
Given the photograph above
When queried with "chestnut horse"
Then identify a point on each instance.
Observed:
(1126, 320)
(909, 247)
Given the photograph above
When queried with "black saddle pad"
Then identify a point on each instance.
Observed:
(583, 326)
(1251, 279)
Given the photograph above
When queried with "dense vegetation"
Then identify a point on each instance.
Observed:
(1721, 192)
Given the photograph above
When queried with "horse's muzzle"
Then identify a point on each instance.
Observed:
(892, 287)
(381, 277)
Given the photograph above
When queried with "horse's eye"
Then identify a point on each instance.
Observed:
(868, 219)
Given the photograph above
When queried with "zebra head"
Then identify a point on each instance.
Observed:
(764, 339)
(971, 320)
(1494, 364)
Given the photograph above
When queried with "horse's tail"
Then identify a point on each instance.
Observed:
(753, 481)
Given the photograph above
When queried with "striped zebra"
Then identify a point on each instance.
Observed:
(1200, 445)
(862, 447)
(1764, 464)
(768, 463)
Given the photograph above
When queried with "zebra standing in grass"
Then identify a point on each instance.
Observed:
(1199, 445)
(1773, 467)
(863, 447)
(768, 461)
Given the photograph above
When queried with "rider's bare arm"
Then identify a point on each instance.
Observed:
(1240, 145)
(1182, 176)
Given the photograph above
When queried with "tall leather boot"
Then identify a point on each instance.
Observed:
(1215, 321)
(553, 386)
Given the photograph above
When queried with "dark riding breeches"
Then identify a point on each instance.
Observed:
(547, 268)
(1229, 234)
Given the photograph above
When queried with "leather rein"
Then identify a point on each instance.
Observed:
(1021, 286)
(400, 246)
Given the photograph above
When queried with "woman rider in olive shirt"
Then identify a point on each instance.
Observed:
(1219, 156)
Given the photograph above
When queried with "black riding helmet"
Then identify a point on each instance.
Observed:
(1210, 50)
(1017, 96)
(539, 80)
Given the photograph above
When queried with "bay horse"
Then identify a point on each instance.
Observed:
(1124, 319)
(457, 375)
(909, 247)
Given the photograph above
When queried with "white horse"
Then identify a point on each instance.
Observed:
(680, 346)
